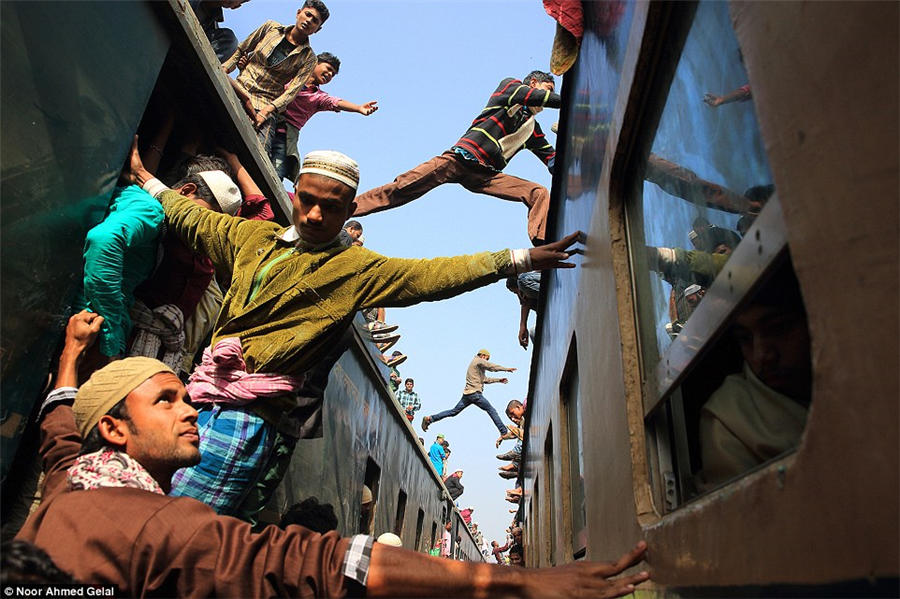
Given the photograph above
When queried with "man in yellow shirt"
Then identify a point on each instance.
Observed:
(293, 293)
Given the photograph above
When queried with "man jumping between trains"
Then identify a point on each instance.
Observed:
(503, 128)
(294, 292)
(475, 381)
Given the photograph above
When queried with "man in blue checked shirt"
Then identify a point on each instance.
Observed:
(409, 399)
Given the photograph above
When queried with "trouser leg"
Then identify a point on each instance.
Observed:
(272, 472)
(235, 446)
(515, 189)
(411, 185)
(461, 405)
(482, 402)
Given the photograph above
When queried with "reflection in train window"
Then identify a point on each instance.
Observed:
(572, 443)
(401, 513)
(709, 251)
(706, 178)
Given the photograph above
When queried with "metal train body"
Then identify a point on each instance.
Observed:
(611, 447)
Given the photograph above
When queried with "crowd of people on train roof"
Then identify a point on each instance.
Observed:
(155, 486)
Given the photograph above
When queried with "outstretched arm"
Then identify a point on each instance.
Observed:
(398, 282)
(395, 572)
(741, 94)
(363, 109)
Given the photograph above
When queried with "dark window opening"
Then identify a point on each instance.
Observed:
(420, 522)
(401, 513)
(369, 498)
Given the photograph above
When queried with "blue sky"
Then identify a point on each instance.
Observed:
(431, 65)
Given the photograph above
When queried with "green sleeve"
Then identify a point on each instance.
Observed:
(397, 282)
(214, 234)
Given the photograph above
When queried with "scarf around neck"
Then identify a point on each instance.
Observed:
(110, 468)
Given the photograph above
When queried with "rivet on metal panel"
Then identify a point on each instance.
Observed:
(757, 235)
(669, 481)
(780, 476)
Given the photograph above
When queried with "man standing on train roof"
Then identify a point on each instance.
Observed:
(475, 381)
(476, 161)
(109, 450)
(280, 62)
(293, 293)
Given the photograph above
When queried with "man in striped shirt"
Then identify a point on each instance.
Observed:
(409, 399)
(505, 126)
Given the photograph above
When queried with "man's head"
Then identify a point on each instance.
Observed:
(484, 354)
(207, 180)
(354, 229)
(408, 383)
(458, 474)
(540, 80)
(515, 556)
(326, 68)
(323, 195)
(774, 339)
(138, 406)
(439, 439)
(515, 410)
(311, 17)
(494, 544)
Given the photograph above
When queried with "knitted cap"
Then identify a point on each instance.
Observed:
(108, 386)
(334, 165)
(227, 195)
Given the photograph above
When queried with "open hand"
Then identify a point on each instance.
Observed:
(368, 108)
(504, 380)
(553, 255)
(135, 173)
(588, 579)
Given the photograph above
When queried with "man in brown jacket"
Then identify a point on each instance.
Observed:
(106, 520)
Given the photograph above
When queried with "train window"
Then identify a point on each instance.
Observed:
(369, 497)
(401, 513)
(432, 546)
(572, 443)
(549, 494)
(420, 522)
(705, 232)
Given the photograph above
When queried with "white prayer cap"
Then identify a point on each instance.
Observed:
(389, 538)
(227, 194)
(335, 165)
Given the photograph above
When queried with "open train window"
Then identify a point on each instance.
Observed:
(549, 493)
(401, 513)
(420, 522)
(433, 535)
(369, 497)
(707, 245)
(572, 445)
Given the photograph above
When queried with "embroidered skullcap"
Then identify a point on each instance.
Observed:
(227, 194)
(108, 386)
(389, 538)
(366, 494)
(335, 165)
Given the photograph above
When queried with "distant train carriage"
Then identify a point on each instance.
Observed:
(719, 375)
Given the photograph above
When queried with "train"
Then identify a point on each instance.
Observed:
(71, 106)
(734, 166)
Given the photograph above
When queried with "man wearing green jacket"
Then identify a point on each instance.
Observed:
(294, 291)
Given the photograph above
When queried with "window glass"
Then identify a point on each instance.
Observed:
(706, 179)
(572, 399)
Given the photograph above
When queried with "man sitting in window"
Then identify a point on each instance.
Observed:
(760, 413)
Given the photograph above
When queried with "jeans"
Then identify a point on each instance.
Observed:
(479, 400)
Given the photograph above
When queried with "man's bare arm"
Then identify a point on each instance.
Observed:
(400, 573)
